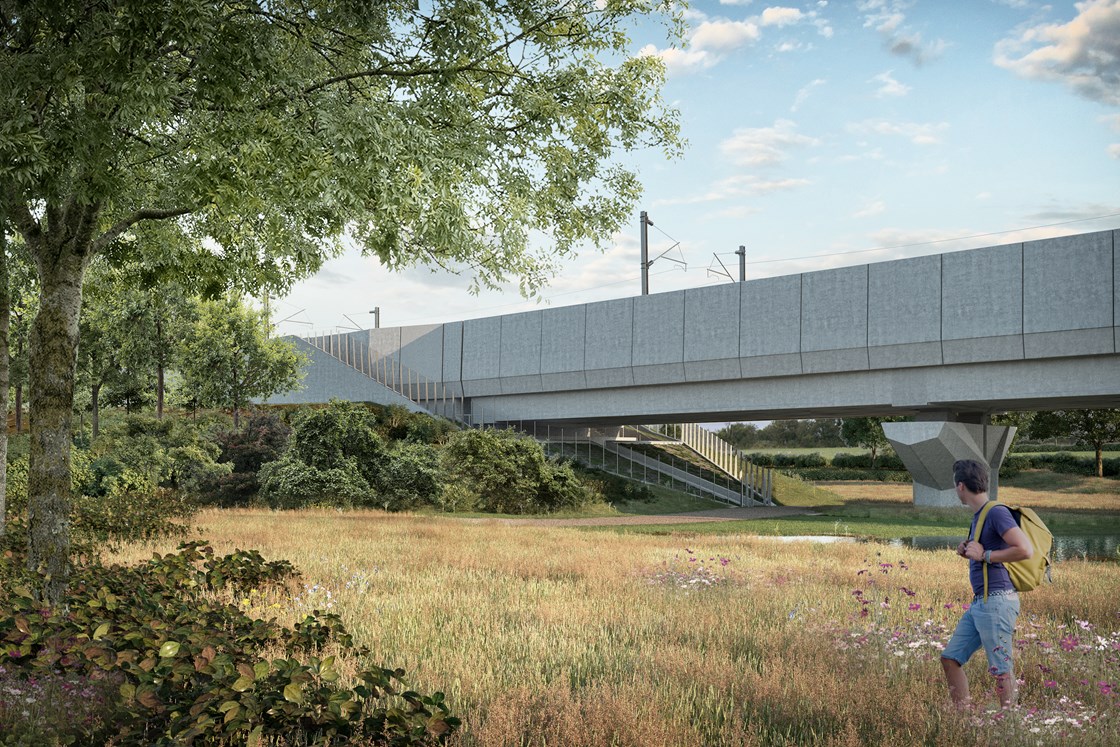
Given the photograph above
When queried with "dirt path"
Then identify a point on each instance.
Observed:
(719, 514)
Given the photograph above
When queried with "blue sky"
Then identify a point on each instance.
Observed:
(824, 134)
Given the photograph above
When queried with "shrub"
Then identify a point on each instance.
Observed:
(1013, 464)
(336, 457)
(510, 473)
(262, 440)
(852, 461)
(610, 488)
(837, 474)
(174, 453)
(410, 477)
(111, 504)
(291, 483)
(182, 667)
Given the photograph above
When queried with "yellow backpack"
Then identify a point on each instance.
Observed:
(1025, 574)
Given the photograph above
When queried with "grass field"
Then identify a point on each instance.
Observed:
(553, 636)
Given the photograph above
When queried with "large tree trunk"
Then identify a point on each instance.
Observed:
(19, 408)
(53, 347)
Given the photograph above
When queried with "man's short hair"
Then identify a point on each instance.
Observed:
(973, 474)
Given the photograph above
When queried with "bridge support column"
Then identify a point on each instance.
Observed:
(928, 449)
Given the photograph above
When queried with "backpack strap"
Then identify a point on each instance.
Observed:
(976, 536)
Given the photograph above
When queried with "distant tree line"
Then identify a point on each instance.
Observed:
(784, 434)
(147, 340)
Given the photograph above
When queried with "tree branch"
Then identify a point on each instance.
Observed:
(140, 215)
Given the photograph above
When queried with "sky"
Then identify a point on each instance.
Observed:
(824, 134)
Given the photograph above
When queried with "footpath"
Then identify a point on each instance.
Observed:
(717, 514)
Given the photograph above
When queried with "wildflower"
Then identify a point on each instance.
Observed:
(1105, 687)
(915, 607)
(1050, 684)
(1069, 643)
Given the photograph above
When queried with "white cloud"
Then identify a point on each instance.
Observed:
(889, 20)
(873, 208)
(707, 45)
(779, 16)
(804, 93)
(723, 36)
(681, 60)
(764, 146)
(918, 133)
(737, 187)
(1113, 150)
(1083, 54)
(889, 86)
(982, 196)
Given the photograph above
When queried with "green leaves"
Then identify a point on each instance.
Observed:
(192, 669)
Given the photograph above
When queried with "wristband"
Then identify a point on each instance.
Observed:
(988, 557)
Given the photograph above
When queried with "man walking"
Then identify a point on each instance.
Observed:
(990, 622)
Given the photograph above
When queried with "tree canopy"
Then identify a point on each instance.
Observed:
(235, 143)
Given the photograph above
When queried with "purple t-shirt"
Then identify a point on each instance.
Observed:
(999, 520)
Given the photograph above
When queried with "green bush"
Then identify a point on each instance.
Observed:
(410, 477)
(289, 483)
(111, 504)
(510, 473)
(836, 474)
(852, 461)
(612, 489)
(337, 457)
(785, 461)
(246, 450)
(174, 453)
(1013, 464)
(168, 663)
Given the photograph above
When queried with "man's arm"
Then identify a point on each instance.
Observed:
(1019, 547)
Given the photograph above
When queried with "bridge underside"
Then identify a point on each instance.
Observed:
(962, 393)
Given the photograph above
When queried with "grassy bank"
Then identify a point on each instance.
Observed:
(558, 636)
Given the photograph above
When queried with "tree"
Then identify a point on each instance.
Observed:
(865, 432)
(1093, 427)
(238, 140)
(228, 359)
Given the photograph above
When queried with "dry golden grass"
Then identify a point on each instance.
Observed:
(553, 636)
(1053, 492)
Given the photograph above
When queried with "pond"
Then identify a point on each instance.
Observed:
(1066, 547)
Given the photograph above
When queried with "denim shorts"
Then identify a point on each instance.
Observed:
(990, 624)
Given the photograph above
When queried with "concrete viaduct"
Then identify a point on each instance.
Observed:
(948, 339)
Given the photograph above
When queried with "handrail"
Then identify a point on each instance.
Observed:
(759, 480)
(390, 373)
